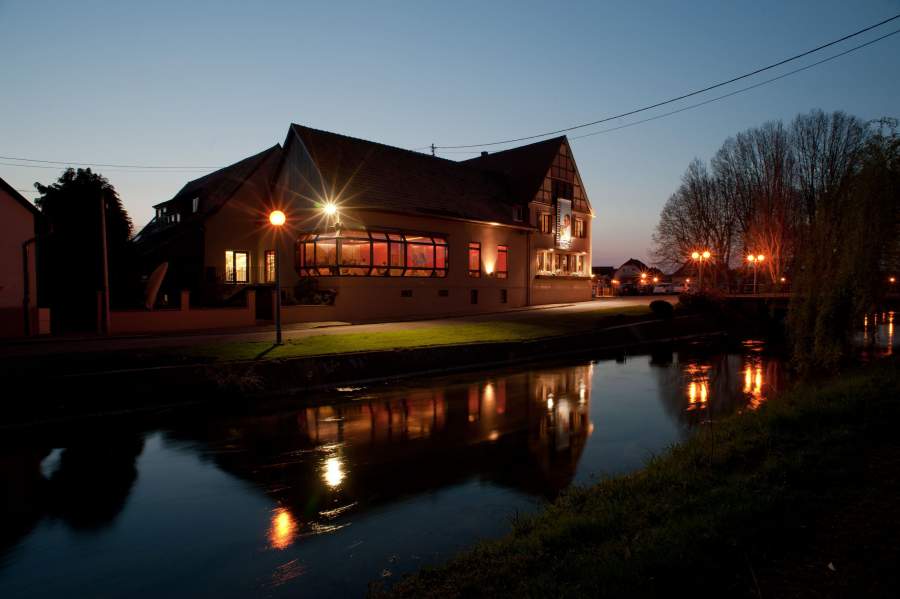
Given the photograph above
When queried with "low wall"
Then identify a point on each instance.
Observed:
(560, 290)
(308, 313)
(184, 319)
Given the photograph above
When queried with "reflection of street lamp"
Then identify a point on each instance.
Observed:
(277, 219)
(700, 257)
(755, 261)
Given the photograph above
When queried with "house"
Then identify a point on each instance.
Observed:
(388, 232)
(602, 277)
(19, 221)
(684, 276)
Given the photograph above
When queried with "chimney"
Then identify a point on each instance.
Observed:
(483, 153)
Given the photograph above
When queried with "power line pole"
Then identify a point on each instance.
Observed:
(103, 325)
(432, 149)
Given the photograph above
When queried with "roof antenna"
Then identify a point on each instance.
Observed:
(432, 149)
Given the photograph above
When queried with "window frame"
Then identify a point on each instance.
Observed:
(544, 217)
(474, 246)
(234, 271)
(266, 266)
(502, 274)
(397, 246)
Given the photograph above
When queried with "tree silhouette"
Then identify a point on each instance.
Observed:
(69, 252)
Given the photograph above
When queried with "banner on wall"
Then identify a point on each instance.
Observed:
(563, 223)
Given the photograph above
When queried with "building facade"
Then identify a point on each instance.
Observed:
(372, 231)
(18, 277)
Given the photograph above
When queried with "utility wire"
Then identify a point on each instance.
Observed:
(140, 166)
(111, 169)
(717, 98)
(738, 91)
(675, 99)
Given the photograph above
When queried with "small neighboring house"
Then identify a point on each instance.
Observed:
(602, 280)
(19, 220)
(389, 232)
(685, 275)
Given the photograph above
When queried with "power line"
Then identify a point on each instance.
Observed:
(140, 166)
(111, 169)
(675, 99)
(738, 91)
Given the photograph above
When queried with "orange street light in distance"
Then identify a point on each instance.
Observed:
(706, 255)
(277, 218)
(695, 255)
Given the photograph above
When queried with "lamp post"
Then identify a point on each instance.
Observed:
(276, 219)
(700, 257)
(755, 260)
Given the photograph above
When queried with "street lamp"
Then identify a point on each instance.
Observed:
(277, 219)
(755, 260)
(700, 257)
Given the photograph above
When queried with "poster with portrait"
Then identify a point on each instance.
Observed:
(563, 223)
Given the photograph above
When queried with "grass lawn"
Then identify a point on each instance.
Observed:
(530, 325)
(739, 510)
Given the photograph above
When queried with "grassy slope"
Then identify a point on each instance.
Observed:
(531, 326)
(695, 519)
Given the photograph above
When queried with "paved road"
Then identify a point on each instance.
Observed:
(38, 347)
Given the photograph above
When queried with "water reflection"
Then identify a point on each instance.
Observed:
(877, 337)
(323, 495)
(283, 529)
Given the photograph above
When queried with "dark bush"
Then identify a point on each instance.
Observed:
(307, 292)
(662, 309)
(703, 302)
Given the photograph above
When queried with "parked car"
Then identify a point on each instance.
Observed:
(663, 289)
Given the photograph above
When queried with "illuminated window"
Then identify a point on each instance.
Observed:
(545, 225)
(270, 266)
(371, 253)
(236, 270)
(474, 259)
(579, 227)
(502, 262)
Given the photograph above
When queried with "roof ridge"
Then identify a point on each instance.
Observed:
(375, 143)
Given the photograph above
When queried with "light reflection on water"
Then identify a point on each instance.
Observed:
(323, 499)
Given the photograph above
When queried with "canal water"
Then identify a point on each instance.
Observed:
(368, 484)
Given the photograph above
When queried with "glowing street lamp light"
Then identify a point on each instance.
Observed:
(277, 219)
(329, 208)
(700, 257)
(755, 261)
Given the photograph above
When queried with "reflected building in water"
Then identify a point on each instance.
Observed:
(524, 430)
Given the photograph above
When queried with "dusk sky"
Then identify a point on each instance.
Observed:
(207, 84)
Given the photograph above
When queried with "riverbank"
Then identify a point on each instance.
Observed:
(76, 384)
(796, 499)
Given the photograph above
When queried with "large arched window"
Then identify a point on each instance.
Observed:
(372, 253)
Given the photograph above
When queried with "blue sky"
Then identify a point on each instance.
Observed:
(208, 83)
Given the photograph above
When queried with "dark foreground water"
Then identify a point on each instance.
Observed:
(372, 483)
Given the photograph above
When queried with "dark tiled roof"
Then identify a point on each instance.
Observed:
(19, 197)
(216, 188)
(688, 269)
(635, 262)
(603, 271)
(365, 174)
(524, 167)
